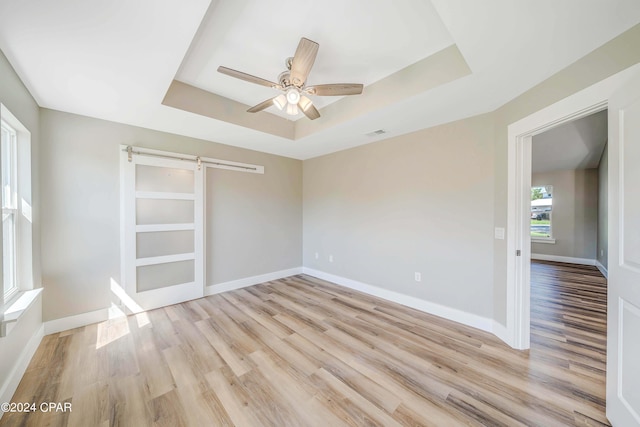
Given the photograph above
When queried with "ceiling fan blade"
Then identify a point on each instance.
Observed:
(247, 77)
(336, 89)
(262, 106)
(303, 60)
(307, 108)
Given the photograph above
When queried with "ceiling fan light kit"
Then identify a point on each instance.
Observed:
(305, 103)
(292, 109)
(280, 101)
(293, 96)
(293, 83)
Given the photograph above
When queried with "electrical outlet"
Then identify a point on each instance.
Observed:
(601, 252)
(317, 255)
(418, 276)
(330, 258)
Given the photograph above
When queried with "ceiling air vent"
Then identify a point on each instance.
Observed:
(376, 133)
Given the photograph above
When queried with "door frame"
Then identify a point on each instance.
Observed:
(518, 287)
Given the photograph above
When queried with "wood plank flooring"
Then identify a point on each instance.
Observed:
(303, 352)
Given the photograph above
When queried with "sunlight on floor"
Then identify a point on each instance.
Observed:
(143, 320)
(111, 330)
(115, 312)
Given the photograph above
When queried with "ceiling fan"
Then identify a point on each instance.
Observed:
(293, 83)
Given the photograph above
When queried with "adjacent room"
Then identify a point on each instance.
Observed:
(306, 213)
(568, 231)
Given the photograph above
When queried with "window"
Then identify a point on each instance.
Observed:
(18, 292)
(15, 196)
(541, 210)
(8, 153)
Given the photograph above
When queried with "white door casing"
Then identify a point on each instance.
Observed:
(587, 101)
(161, 230)
(623, 304)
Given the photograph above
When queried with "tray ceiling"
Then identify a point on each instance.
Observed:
(422, 62)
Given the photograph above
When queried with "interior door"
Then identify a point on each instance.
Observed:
(623, 320)
(162, 202)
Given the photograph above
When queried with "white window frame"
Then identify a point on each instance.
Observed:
(10, 206)
(23, 296)
(542, 239)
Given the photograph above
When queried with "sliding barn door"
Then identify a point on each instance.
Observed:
(162, 230)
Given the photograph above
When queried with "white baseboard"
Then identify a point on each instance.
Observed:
(250, 281)
(11, 383)
(567, 259)
(76, 321)
(500, 331)
(602, 269)
(469, 319)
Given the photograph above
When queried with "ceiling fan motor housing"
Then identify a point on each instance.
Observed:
(285, 79)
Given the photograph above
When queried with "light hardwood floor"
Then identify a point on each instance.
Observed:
(304, 352)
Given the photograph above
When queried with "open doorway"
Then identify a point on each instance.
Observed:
(519, 237)
(620, 94)
(568, 234)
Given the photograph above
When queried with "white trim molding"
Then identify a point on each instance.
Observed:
(602, 269)
(76, 321)
(14, 309)
(567, 259)
(466, 318)
(11, 383)
(500, 331)
(547, 241)
(250, 281)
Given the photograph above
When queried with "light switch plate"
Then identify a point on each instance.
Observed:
(499, 233)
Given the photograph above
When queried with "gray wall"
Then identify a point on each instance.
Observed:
(603, 209)
(609, 59)
(254, 222)
(15, 96)
(575, 213)
(421, 202)
(80, 205)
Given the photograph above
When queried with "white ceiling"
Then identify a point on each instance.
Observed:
(252, 37)
(575, 145)
(115, 60)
